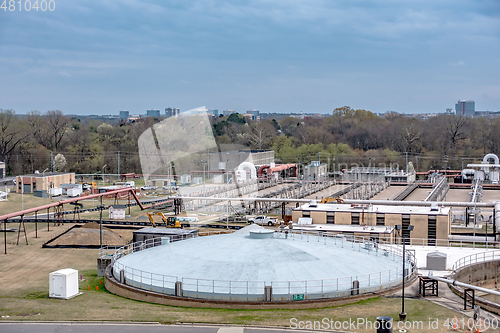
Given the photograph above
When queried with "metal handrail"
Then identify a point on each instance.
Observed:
(476, 258)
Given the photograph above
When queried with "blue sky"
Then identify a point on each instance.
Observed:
(102, 56)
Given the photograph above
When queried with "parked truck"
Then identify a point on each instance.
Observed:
(263, 220)
(73, 192)
(55, 191)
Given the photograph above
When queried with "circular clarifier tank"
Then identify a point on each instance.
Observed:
(239, 267)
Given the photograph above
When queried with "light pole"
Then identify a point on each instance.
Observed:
(43, 177)
(103, 174)
(101, 207)
(202, 161)
(402, 315)
(304, 183)
(92, 187)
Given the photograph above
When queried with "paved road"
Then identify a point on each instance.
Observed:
(123, 328)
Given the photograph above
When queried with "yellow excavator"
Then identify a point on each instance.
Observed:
(339, 200)
(170, 221)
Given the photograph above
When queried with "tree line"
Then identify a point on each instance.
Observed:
(347, 137)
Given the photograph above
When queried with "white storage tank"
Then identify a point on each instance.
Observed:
(479, 175)
(494, 176)
(241, 175)
(63, 283)
(185, 179)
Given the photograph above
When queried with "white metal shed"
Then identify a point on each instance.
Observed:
(63, 283)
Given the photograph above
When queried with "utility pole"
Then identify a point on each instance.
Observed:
(101, 207)
(304, 183)
(118, 164)
(406, 162)
(51, 161)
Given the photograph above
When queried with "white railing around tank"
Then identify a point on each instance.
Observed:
(476, 258)
(314, 289)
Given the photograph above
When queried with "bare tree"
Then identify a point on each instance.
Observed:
(455, 130)
(261, 134)
(12, 132)
(58, 126)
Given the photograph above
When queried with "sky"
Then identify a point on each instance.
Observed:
(311, 56)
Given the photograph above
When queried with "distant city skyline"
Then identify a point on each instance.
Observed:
(284, 56)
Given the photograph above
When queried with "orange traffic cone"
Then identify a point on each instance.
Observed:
(96, 287)
(455, 323)
(89, 287)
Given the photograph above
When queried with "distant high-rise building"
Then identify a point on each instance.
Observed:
(228, 112)
(124, 114)
(153, 113)
(214, 112)
(255, 114)
(465, 108)
(172, 112)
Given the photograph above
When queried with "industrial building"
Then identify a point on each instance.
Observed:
(485, 172)
(429, 222)
(372, 174)
(230, 160)
(315, 171)
(43, 181)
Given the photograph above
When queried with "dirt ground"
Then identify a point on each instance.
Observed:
(89, 235)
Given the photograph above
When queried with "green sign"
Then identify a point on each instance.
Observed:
(298, 297)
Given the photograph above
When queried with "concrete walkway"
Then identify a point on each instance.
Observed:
(446, 298)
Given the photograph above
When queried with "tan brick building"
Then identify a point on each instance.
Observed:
(43, 181)
(363, 220)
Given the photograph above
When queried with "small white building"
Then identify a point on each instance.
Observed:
(63, 283)
(117, 212)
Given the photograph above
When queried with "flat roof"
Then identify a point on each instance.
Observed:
(46, 174)
(382, 209)
(165, 231)
(375, 229)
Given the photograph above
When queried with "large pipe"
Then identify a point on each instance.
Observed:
(464, 285)
(55, 204)
(479, 239)
(357, 202)
(488, 156)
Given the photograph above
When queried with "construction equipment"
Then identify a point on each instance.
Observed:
(150, 216)
(170, 221)
(339, 200)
